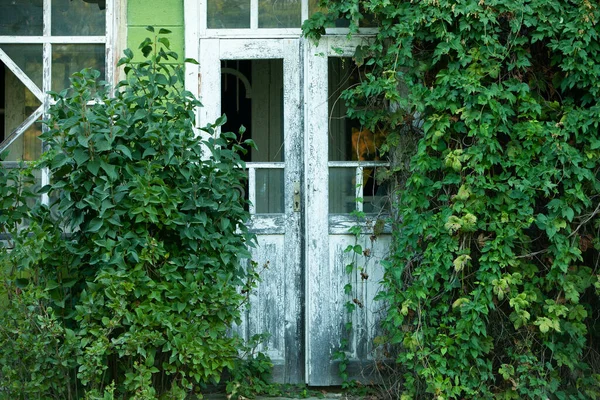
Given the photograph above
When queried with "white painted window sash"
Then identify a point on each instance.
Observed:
(47, 41)
(196, 12)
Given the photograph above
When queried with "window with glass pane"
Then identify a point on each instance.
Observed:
(252, 97)
(279, 13)
(353, 150)
(21, 17)
(70, 58)
(228, 14)
(22, 65)
(78, 17)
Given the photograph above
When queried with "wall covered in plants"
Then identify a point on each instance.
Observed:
(493, 283)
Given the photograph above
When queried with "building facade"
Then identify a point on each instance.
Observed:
(313, 168)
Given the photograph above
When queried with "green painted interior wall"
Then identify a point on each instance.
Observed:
(160, 14)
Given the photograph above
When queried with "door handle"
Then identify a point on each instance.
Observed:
(296, 196)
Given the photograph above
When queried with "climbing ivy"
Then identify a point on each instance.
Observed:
(492, 283)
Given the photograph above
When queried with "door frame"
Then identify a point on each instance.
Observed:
(306, 81)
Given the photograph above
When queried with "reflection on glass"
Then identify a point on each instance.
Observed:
(70, 58)
(228, 14)
(29, 58)
(342, 74)
(27, 147)
(279, 13)
(17, 103)
(78, 17)
(269, 191)
(342, 190)
(374, 194)
(348, 141)
(21, 17)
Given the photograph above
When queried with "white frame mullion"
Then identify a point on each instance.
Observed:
(46, 83)
(47, 16)
(252, 189)
(253, 14)
(304, 11)
(358, 190)
(110, 45)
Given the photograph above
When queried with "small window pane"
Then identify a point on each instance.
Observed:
(374, 193)
(78, 17)
(71, 58)
(342, 190)
(228, 14)
(269, 191)
(29, 58)
(27, 147)
(279, 13)
(21, 17)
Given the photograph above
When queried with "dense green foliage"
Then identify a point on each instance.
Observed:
(492, 282)
(137, 299)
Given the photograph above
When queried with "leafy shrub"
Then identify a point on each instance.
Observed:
(137, 299)
(493, 282)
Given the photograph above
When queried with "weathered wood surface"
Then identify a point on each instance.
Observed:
(301, 298)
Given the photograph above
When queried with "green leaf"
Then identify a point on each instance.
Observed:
(95, 225)
(125, 150)
(81, 156)
(164, 41)
(94, 167)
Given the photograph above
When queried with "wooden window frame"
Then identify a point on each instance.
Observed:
(114, 15)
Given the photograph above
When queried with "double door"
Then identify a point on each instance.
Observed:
(312, 168)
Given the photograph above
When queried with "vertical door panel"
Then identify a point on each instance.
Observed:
(320, 278)
(261, 80)
(340, 161)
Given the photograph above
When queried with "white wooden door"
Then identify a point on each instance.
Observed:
(341, 162)
(303, 186)
(257, 84)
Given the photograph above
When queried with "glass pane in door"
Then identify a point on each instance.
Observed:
(252, 97)
(342, 190)
(269, 193)
(353, 150)
(374, 190)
